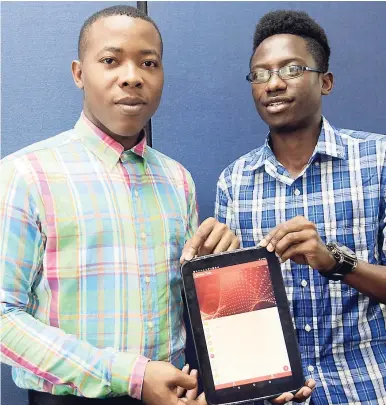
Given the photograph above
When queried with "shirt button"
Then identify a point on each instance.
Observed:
(304, 283)
(317, 164)
(150, 325)
(147, 279)
(143, 235)
(307, 328)
(297, 192)
(310, 368)
(136, 193)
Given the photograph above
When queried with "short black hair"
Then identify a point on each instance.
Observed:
(108, 12)
(296, 23)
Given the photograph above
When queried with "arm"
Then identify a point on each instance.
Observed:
(48, 352)
(298, 240)
(210, 237)
(223, 210)
(192, 218)
(369, 279)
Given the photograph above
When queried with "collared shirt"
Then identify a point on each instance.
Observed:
(341, 332)
(91, 237)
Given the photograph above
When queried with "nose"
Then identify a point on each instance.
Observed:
(275, 83)
(131, 76)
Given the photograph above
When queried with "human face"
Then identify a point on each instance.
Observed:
(121, 74)
(288, 105)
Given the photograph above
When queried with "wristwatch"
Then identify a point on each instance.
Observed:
(346, 261)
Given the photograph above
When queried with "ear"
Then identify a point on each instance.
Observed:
(327, 83)
(77, 73)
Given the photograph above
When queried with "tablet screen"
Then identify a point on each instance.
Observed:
(242, 328)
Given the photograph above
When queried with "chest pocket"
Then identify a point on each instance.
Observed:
(355, 225)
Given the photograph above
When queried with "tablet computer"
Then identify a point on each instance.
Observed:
(242, 328)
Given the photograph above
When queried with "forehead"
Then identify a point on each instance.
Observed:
(123, 32)
(282, 47)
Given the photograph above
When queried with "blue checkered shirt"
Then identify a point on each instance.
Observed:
(341, 332)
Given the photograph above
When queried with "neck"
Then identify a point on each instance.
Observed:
(127, 142)
(294, 147)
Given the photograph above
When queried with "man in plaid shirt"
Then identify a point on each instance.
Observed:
(315, 195)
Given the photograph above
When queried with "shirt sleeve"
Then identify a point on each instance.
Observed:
(58, 358)
(382, 225)
(224, 205)
(192, 217)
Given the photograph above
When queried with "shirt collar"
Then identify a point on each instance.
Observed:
(103, 146)
(330, 143)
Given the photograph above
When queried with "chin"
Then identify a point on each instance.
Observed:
(284, 127)
(281, 124)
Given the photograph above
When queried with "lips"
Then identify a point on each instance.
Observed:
(131, 105)
(277, 104)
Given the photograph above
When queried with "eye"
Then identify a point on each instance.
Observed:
(261, 74)
(293, 70)
(108, 61)
(150, 63)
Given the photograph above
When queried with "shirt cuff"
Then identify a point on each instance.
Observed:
(136, 381)
(127, 373)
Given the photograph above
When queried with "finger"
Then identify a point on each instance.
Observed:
(294, 238)
(302, 394)
(201, 400)
(293, 225)
(192, 394)
(234, 245)
(185, 249)
(218, 232)
(183, 380)
(283, 398)
(300, 249)
(180, 390)
(224, 243)
(311, 383)
(267, 238)
(193, 245)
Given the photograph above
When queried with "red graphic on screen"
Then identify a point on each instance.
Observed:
(234, 290)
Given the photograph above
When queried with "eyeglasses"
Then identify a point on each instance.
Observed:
(285, 73)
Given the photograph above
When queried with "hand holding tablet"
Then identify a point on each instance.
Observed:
(242, 328)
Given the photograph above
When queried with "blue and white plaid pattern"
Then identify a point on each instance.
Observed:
(341, 332)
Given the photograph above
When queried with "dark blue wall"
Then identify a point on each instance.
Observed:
(207, 117)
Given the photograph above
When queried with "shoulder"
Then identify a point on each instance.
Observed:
(242, 164)
(367, 147)
(351, 135)
(26, 158)
(171, 168)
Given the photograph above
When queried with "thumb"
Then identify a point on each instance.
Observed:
(184, 380)
(185, 250)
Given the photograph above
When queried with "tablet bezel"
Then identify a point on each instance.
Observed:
(247, 392)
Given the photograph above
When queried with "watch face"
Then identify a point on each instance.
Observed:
(345, 250)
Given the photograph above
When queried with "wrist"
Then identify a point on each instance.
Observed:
(331, 263)
(345, 261)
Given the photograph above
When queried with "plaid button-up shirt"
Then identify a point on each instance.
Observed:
(91, 237)
(341, 332)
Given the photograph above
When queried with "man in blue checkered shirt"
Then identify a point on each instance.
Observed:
(315, 195)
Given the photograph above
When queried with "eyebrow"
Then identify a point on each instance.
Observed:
(284, 62)
(144, 52)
